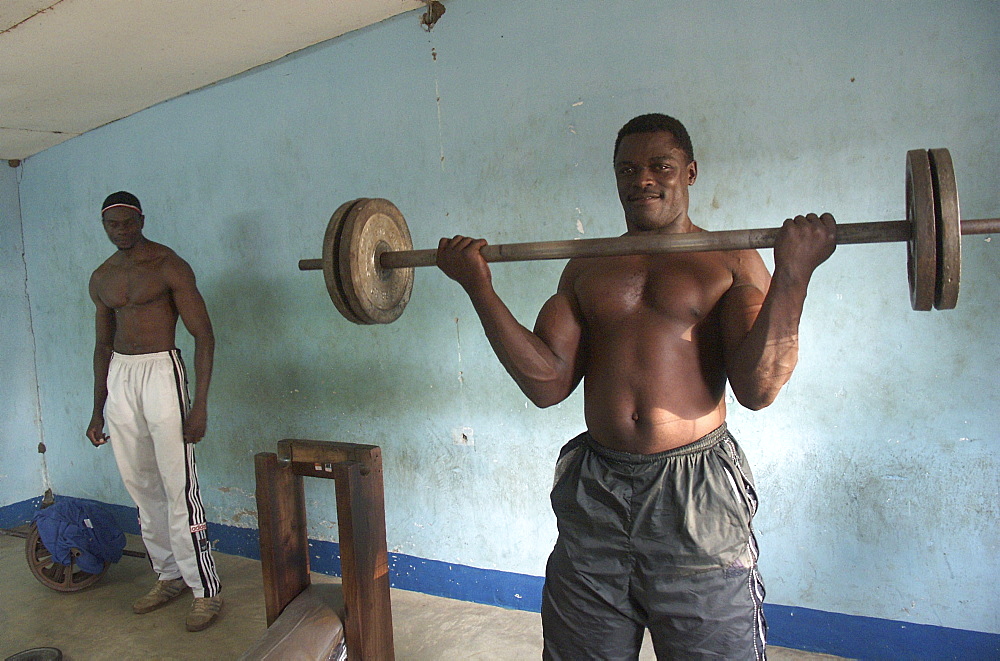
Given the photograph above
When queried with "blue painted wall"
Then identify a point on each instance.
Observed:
(876, 466)
(21, 467)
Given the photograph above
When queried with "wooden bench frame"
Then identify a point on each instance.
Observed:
(284, 547)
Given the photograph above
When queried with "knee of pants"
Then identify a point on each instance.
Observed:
(573, 630)
(711, 613)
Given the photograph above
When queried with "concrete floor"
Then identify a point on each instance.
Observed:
(97, 623)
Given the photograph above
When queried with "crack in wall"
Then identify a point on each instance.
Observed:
(20, 23)
(46, 481)
(46, 131)
(437, 100)
(463, 435)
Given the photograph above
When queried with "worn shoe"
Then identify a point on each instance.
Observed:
(204, 610)
(162, 593)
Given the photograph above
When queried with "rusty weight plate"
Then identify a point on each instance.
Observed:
(51, 574)
(375, 294)
(331, 261)
(949, 230)
(921, 249)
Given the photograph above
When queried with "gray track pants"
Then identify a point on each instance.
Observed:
(657, 541)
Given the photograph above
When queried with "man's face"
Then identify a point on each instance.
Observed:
(124, 226)
(653, 175)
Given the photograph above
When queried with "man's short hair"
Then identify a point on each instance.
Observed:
(652, 123)
(121, 199)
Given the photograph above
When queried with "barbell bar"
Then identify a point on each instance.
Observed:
(368, 258)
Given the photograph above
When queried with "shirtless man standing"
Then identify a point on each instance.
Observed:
(654, 501)
(141, 386)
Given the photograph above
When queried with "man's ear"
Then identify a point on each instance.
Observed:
(692, 172)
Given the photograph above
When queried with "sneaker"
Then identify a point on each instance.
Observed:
(203, 612)
(163, 592)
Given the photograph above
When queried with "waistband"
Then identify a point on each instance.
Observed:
(709, 440)
(135, 358)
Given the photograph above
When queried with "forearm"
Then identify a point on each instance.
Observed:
(764, 361)
(102, 360)
(204, 356)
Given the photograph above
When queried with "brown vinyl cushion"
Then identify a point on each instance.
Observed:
(310, 627)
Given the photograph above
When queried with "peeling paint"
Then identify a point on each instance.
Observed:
(435, 10)
(241, 518)
(462, 436)
(237, 491)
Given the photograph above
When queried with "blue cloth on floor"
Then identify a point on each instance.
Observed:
(79, 524)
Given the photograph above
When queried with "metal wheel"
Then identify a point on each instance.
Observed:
(51, 574)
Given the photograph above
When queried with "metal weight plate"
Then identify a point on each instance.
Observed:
(344, 270)
(331, 261)
(949, 230)
(921, 249)
(376, 295)
(51, 574)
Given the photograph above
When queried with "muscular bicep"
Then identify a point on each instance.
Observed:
(104, 318)
(187, 299)
(560, 326)
(741, 304)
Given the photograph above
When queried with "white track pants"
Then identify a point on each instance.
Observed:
(147, 402)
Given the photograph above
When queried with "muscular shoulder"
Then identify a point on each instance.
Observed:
(748, 269)
(171, 259)
(164, 255)
(108, 269)
(569, 275)
(163, 259)
(99, 275)
(101, 270)
(174, 269)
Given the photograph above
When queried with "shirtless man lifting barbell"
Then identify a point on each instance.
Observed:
(654, 501)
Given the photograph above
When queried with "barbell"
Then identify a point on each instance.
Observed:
(368, 258)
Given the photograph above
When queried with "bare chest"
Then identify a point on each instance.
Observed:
(679, 288)
(124, 286)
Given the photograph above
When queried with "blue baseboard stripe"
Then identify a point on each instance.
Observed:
(17, 514)
(851, 636)
(860, 637)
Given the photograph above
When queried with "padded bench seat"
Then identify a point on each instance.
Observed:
(310, 627)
